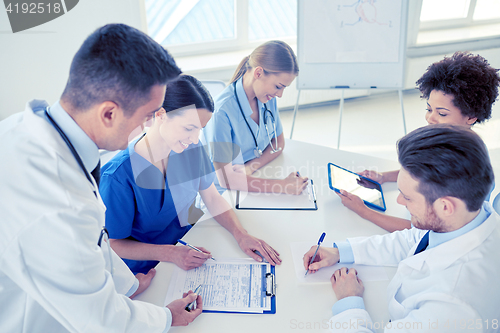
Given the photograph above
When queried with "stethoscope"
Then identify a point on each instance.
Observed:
(267, 115)
(104, 232)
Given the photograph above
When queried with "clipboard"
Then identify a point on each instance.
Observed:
(269, 287)
(274, 201)
(229, 296)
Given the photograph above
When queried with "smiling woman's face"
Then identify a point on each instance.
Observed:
(180, 130)
(268, 86)
(441, 110)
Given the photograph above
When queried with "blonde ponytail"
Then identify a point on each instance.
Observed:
(240, 70)
(274, 57)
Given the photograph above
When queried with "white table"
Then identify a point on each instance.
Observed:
(297, 305)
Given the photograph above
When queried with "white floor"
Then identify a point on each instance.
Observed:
(371, 125)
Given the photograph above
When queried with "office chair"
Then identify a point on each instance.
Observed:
(214, 87)
(496, 203)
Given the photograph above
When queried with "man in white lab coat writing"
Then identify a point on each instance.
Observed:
(57, 274)
(449, 263)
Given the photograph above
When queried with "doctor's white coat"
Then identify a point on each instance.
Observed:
(453, 287)
(53, 275)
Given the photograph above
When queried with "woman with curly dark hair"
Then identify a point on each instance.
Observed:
(460, 90)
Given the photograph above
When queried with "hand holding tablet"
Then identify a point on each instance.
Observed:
(368, 190)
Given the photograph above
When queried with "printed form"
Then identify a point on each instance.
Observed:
(230, 285)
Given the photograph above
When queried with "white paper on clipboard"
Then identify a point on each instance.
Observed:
(269, 201)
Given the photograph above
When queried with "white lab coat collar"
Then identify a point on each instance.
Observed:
(35, 111)
(85, 147)
(443, 255)
(124, 279)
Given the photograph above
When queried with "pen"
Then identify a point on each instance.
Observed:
(260, 255)
(317, 248)
(191, 246)
(313, 191)
(190, 306)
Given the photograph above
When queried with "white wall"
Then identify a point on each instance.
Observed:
(35, 63)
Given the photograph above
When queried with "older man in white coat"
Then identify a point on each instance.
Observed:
(55, 275)
(449, 263)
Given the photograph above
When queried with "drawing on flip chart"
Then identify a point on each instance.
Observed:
(350, 31)
(366, 11)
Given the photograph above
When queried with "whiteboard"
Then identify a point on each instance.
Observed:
(351, 43)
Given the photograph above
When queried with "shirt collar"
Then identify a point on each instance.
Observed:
(242, 96)
(437, 238)
(85, 147)
(139, 163)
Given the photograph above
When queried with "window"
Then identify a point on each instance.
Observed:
(176, 22)
(195, 26)
(487, 10)
(439, 10)
(458, 13)
(272, 19)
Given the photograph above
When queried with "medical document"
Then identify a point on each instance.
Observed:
(229, 285)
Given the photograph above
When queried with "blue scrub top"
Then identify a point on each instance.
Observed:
(144, 206)
(228, 126)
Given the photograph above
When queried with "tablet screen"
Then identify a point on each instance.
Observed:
(367, 189)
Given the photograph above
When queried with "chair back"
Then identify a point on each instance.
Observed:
(215, 87)
(496, 203)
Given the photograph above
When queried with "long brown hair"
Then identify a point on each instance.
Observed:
(274, 56)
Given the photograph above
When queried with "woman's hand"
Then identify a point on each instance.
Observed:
(250, 245)
(187, 258)
(144, 281)
(352, 201)
(293, 184)
(373, 175)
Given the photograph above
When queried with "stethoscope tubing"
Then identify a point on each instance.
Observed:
(273, 122)
(104, 232)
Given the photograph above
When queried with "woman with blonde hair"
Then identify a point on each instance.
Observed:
(245, 132)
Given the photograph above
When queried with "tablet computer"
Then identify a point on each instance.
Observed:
(368, 190)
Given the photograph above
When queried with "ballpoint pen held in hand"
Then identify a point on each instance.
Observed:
(317, 248)
(190, 306)
(192, 247)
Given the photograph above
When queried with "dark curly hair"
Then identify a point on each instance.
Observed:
(469, 78)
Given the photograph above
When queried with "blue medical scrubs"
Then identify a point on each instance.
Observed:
(227, 135)
(145, 206)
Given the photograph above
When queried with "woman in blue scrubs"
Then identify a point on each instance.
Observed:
(245, 132)
(150, 188)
